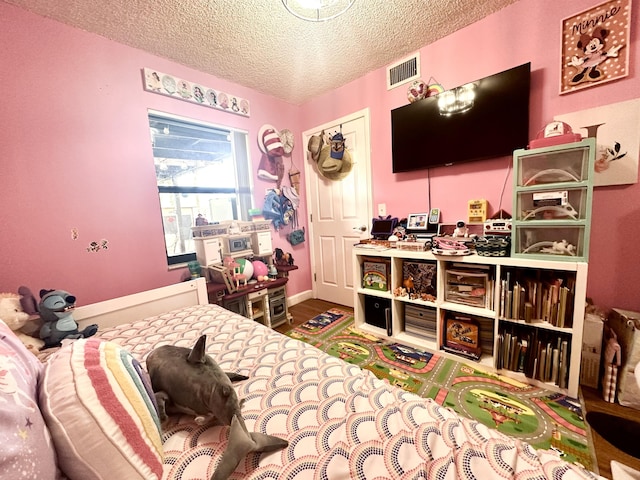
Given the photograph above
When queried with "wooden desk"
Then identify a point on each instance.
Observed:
(253, 300)
(254, 287)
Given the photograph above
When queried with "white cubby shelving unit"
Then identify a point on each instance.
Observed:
(505, 274)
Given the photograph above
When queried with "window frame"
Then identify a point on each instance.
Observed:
(243, 200)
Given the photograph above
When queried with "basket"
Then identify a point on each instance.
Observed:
(493, 246)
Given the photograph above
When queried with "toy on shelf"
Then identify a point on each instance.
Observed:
(556, 248)
(273, 272)
(260, 271)
(282, 257)
(237, 270)
(56, 311)
(461, 230)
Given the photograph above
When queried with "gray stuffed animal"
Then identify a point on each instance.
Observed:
(189, 381)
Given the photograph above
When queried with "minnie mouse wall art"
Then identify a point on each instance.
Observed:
(595, 46)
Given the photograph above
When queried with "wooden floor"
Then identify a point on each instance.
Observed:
(593, 401)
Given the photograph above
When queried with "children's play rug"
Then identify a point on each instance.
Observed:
(542, 418)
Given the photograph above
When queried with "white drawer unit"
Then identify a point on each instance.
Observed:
(261, 243)
(553, 194)
(208, 250)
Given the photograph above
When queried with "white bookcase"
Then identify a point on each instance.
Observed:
(534, 279)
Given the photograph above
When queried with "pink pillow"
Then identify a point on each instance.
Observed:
(26, 450)
(100, 409)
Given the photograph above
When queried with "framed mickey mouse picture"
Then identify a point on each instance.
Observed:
(595, 46)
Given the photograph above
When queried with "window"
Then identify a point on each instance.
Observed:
(202, 171)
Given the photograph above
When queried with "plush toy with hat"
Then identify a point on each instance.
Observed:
(56, 311)
(12, 313)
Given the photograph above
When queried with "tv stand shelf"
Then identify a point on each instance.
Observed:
(554, 321)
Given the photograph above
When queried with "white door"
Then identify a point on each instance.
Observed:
(340, 211)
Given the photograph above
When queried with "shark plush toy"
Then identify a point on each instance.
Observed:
(189, 381)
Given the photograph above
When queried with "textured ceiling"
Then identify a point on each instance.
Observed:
(258, 44)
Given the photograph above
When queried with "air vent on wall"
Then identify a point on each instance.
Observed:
(403, 71)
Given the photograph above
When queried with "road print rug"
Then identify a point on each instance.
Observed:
(543, 418)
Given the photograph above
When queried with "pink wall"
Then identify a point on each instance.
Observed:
(75, 149)
(527, 31)
(75, 153)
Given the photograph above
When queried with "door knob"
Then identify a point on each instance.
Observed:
(362, 228)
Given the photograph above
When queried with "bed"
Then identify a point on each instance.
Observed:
(341, 422)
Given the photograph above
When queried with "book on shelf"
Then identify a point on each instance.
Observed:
(462, 336)
(522, 355)
(564, 364)
(556, 365)
(375, 273)
(541, 355)
(537, 297)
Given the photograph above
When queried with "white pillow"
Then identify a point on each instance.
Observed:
(99, 406)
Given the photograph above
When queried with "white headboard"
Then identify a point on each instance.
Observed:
(141, 305)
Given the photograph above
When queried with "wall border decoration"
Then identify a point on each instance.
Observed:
(165, 84)
(595, 46)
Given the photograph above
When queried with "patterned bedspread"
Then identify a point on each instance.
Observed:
(341, 422)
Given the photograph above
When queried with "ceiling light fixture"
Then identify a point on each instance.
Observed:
(317, 10)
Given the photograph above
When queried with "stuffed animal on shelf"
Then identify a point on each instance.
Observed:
(461, 230)
(282, 257)
(16, 318)
(55, 308)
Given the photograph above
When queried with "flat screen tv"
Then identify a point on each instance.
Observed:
(496, 125)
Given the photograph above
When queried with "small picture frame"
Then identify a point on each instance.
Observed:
(417, 221)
